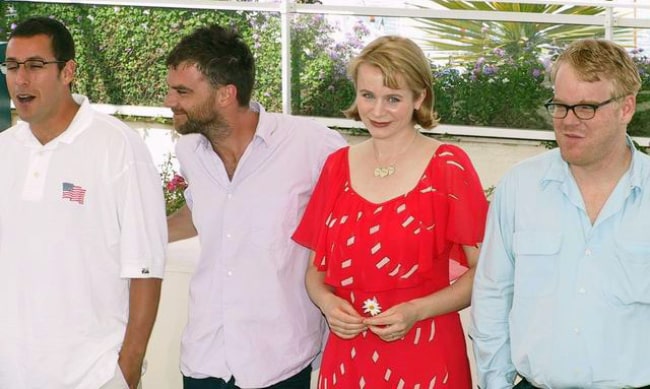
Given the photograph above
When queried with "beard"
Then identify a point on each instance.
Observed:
(204, 120)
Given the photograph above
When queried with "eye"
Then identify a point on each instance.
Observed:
(584, 108)
(366, 95)
(11, 65)
(34, 64)
(394, 99)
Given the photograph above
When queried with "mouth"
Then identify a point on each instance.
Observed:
(24, 98)
(379, 124)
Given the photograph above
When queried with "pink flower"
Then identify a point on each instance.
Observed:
(176, 183)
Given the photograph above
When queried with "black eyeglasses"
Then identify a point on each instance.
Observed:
(582, 111)
(31, 65)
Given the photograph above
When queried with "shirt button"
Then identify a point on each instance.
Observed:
(229, 274)
(228, 236)
(576, 330)
(229, 195)
(582, 290)
(588, 252)
(36, 174)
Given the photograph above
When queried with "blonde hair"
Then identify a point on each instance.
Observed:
(597, 59)
(397, 56)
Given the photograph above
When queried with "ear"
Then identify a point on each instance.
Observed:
(227, 95)
(68, 72)
(628, 107)
(420, 99)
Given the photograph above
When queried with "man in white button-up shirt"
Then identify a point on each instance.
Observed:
(82, 228)
(250, 175)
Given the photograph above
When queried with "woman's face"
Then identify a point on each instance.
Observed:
(383, 110)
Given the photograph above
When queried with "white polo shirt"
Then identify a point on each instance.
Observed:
(249, 313)
(79, 216)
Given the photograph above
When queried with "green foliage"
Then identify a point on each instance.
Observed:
(121, 53)
(640, 124)
(3, 21)
(121, 50)
(497, 91)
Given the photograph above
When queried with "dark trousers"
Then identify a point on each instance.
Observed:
(524, 384)
(299, 381)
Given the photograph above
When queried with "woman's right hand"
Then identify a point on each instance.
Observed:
(342, 318)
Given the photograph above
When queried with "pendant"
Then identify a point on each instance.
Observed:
(382, 172)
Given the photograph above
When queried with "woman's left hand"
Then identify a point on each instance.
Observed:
(394, 323)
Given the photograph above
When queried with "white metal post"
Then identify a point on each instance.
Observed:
(609, 23)
(285, 20)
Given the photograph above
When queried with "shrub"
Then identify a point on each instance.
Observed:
(497, 91)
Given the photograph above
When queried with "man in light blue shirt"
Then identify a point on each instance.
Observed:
(562, 289)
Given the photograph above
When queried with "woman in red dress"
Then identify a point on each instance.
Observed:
(387, 220)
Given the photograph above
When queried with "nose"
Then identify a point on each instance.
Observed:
(169, 101)
(19, 76)
(377, 107)
(571, 118)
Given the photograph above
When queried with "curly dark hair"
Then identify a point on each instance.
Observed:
(221, 55)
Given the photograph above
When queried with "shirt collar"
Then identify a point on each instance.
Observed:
(559, 170)
(264, 131)
(77, 126)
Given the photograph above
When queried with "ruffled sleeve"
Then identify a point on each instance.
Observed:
(312, 230)
(467, 203)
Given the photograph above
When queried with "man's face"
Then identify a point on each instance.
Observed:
(37, 93)
(192, 100)
(590, 143)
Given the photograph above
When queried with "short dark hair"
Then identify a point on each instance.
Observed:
(62, 42)
(221, 55)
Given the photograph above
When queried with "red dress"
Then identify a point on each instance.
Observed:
(395, 251)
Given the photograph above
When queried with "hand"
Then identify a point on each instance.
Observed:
(342, 318)
(394, 323)
(131, 370)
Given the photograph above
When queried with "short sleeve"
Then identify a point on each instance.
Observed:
(312, 230)
(467, 203)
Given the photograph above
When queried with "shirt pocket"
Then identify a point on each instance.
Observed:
(536, 262)
(629, 279)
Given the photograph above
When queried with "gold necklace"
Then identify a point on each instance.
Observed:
(389, 170)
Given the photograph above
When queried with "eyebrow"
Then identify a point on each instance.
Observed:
(34, 57)
(181, 88)
(581, 102)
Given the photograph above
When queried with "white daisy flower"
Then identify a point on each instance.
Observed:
(371, 306)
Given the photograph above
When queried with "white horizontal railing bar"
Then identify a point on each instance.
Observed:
(449, 129)
(631, 22)
(235, 5)
(133, 110)
(454, 14)
(442, 129)
(193, 4)
(600, 3)
(486, 132)
(354, 10)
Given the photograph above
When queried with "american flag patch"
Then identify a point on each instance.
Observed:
(73, 192)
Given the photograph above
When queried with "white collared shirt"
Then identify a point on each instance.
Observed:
(78, 217)
(249, 313)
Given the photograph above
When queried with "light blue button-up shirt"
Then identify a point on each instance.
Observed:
(558, 300)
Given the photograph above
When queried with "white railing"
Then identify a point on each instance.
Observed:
(609, 20)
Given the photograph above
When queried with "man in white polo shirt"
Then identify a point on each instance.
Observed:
(250, 175)
(82, 228)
